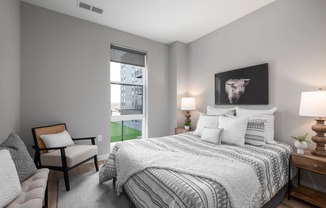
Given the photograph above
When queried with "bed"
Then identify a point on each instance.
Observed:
(260, 171)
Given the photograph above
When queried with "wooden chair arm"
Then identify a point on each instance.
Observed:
(86, 138)
(38, 150)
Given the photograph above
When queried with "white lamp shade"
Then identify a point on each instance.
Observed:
(188, 103)
(313, 104)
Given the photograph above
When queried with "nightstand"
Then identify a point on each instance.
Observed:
(180, 130)
(308, 162)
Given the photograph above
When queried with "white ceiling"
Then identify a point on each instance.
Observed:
(165, 21)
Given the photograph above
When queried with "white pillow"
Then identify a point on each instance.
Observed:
(234, 130)
(215, 111)
(243, 112)
(256, 131)
(57, 140)
(9, 180)
(268, 115)
(205, 121)
(212, 135)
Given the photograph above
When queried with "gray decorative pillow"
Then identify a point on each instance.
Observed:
(23, 161)
(256, 132)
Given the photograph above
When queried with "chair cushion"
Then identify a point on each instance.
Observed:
(33, 190)
(74, 154)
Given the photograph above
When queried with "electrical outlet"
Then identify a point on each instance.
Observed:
(99, 138)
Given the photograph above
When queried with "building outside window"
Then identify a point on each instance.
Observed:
(127, 75)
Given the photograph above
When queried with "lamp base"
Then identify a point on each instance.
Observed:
(319, 139)
(187, 115)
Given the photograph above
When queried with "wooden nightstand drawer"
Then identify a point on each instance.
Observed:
(308, 163)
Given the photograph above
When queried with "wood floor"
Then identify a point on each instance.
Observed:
(55, 175)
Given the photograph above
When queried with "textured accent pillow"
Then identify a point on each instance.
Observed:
(61, 139)
(9, 181)
(268, 115)
(24, 163)
(256, 132)
(215, 111)
(234, 130)
(212, 135)
(205, 121)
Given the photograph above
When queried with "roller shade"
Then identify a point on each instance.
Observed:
(127, 56)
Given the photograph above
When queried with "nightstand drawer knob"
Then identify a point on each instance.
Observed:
(315, 166)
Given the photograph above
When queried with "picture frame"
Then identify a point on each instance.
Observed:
(244, 86)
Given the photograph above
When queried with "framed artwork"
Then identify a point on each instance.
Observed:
(245, 86)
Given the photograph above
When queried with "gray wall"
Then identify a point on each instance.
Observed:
(9, 67)
(65, 68)
(177, 84)
(290, 35)
(65, 75)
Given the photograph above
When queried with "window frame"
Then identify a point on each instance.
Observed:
(144, 84)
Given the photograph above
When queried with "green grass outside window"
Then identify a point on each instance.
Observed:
(128, 133)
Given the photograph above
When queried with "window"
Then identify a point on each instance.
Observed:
(127, 76)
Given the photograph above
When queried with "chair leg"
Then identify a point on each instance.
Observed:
(65, 168)
(96, 163)
(37, 159)
(66, 177)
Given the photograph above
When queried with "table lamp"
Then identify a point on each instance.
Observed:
(188, 104)
(313, 104)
